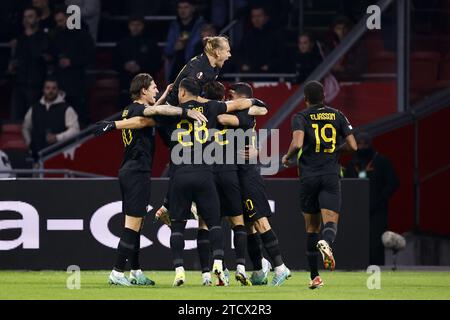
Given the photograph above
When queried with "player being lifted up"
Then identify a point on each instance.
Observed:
(194, 182)
(255, 201)
(134, 175)
(319, 133)
(204, 68)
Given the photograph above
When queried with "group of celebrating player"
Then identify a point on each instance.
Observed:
(192, 114)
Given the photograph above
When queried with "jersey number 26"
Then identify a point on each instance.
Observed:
(321, 133)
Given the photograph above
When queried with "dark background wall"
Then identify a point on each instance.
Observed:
(94, 201)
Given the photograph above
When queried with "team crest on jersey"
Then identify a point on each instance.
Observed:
(200, 75)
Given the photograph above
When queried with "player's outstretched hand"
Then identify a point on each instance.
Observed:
(249, 153)
(103, 127)
(259, 103)
(285, 161)
(196, 115)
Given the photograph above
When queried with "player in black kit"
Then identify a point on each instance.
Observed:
(228, 188)
(134, 174)
(319, 134)
(192, 178)
(255, 201)
(204, 68)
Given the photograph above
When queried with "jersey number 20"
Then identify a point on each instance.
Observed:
(322, 133)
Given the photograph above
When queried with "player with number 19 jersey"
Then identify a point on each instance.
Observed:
(325, 129)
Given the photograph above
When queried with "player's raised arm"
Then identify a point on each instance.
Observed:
(228, 120)
(242, 104)
(103, 127)
(168, 110)
(163, 97)
(257, 111)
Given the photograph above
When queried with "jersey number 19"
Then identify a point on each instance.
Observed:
(321, 135)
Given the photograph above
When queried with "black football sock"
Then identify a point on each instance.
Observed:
(254, 248)
(134, 262)
(312, 253)
(204, 249)
(216, 240)
(329, 232)
(125, 249)
(240, 243)
(270, 241)
(177, 242)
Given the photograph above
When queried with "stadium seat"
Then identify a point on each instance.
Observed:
(444, 73)
(13, 144)
(103, 98)
(382, 62)
(374, 44)
(444, 44)
(424, 70)
(12, 128)
(423, 43)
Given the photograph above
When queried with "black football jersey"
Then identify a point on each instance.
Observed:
(190, 138)
(139, 143)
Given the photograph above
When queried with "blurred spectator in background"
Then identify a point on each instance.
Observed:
(306, 58)
(90, 14)
(46, 20)
(183, 37)
(208, 30)
(135, 54)
(261, 47)
(368, 163)
(28, 64)
(50, 120)
(354, 63)
(72, 51)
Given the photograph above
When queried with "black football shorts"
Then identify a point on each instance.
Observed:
(320, 192)
(135, 187)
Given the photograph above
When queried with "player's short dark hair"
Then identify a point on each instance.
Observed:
(191, 85)
(243, 89)
(214, 90)
(139, 82)
(314, 92)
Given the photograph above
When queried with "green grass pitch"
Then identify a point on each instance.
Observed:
(338, 285)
